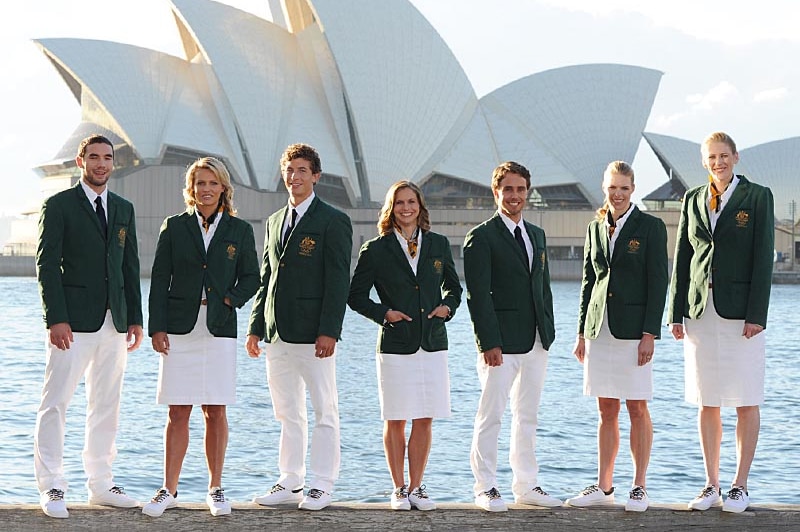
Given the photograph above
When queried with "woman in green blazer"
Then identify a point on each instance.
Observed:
(418, 288)
(205, 267)
(621, 307)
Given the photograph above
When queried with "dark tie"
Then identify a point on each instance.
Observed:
(101, 214)
(289, 227)
(520, 241)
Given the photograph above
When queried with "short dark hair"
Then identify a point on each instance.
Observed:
(302, 151)
(93, 139)
(510, 167)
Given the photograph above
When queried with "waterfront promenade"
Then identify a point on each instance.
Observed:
(459, 517)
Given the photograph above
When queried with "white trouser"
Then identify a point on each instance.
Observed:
(100, 357)
(291, 368)
(522, 378)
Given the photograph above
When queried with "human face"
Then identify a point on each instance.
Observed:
(719, 159)
(511, 195)
(406, 209)
(96, 165)
(299, 179)
(618, 189)
(207, 190)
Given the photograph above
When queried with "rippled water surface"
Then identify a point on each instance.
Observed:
(567, 420)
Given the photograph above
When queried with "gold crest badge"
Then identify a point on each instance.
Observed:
(231, 249)
(121, 237)
(742, 219)
(437, 265)
(307, 246)
(543, 258)
(633, 245)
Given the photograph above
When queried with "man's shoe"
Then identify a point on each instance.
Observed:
(399, 499)
(217, 502)
(538, 497)
(592, 496)
(315, 500)
(53, 503)
(115, 497)
(491, 501)
(637, 500)
(419, 499)
(710, 496)
(162, 500)
(736, 501)
(280, 495)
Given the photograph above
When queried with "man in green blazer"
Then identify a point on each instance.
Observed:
(511, 307)
(87, 264)
(298, 310)
(719, 297)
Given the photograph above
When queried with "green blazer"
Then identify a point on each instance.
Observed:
(631, 284)
(304, 287)
(382, 263)
(737, 258)
(508, 303)
(182, 266)
(81, 273)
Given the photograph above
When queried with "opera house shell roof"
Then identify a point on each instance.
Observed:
(370, 84)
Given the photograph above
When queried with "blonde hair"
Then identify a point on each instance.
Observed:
(719, 136)
(386, 221)
(220, 172)
(614, 167)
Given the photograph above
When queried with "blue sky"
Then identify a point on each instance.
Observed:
(727, 65)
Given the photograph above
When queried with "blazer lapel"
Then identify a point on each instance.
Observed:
(393, 246)
(220, 232)
(738, 196)
(633, 221)
(506, 235)
(701, 204)
(535, 262)
(86, 206)
(194, 230)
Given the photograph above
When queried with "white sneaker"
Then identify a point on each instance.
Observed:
(399, 499)
(637, 500)
(217, 503)
(53, 503)
(115, 497)
(736, 501)
(710, 496)
(315, 500)
(162, 500)
(491, 501)
(538, 497)
(280, 495)
(592, 496)
(419, 499)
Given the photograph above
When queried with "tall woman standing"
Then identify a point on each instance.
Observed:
(205, 267)
(418, 288)
(622, 299)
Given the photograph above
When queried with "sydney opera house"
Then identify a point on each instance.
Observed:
(377, 91)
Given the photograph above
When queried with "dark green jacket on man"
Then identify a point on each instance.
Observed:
(508, 302)
(630, 286)
(382, 263)
(82, 273)
(182, 267)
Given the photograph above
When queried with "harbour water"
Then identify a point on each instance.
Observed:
(567, 421)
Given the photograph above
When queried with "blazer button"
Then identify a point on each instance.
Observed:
(209, 289)
(610, 294)
(416, 287)
(283, 264)
(422, 310)
(205, 266)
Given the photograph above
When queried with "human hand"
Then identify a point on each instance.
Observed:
(580, 349)
(251, 346)
(393, 316)
(160, 342)
(61, 335)
(493, 357)
(677, 330)
(751, 329)
(134, 337)
(324, 346)
(647, 346)
(442, 311)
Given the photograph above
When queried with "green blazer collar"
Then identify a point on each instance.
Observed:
(190, 219)
(629, 228)
(739, 194)
(86, 206)
(507, 237)
(395, 248)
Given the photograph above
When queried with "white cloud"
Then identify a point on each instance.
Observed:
(713, 97)
(663, 122)
(771, 95)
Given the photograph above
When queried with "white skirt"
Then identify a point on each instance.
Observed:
(199, 370)
(611, 368)
(722, 367)
(413, 386)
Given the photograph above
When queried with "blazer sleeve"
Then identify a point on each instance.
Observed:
(361, 285)
(247, 275)
(338, 247)
(763, 256)
(48, 262)
(451, 284)
(587, 281)
(160, 278)
(131, 272)
(679, 284)
(478, 278)
(657, 278)
(257, 324)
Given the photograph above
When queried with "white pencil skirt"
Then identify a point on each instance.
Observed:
(611, 368)
(413, 386)
(722, 367)
(199, 370)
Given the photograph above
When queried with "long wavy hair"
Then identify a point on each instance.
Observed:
(386, 221)
(220, 172)
(614, 167)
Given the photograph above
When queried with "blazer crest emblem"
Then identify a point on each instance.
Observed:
(437, 266)
(121, 235)
(231, 249)
(742, 219)
(307, 246)
(543, 258)
(634, 245)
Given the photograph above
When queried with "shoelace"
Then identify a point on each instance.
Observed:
(540, 491)
(420, 492)
(314, 493)
(276, 488)
(161, 496)
(709, 491)
(736, 493)
(119, 490)
(591, 489)
(401, 493)
(492, 494)
(637, 493)
(55, 494)
(218, 495)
